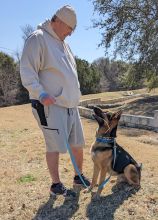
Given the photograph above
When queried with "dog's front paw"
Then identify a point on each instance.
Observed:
(87, 190)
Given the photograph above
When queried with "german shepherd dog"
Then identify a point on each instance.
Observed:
(105, 159)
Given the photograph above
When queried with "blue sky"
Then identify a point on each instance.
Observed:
(15, 14)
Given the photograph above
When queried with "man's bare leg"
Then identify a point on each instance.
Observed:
(78, 155)
(57, 188)
(52, 159)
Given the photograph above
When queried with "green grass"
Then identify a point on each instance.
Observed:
(27, 179)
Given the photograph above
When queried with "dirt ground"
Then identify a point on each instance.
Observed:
(25, 181)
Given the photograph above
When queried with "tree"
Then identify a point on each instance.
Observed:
(89, 77)
(11, 90)
(116, 75)
(8, 78)
(23, 95)
(130, 29)
(131, 78)
(109, 74)
(27, 30)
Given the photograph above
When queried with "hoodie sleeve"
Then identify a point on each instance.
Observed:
(30, 65)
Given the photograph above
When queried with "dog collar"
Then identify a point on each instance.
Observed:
(105, 140)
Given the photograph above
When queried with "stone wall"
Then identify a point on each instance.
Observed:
(136, 121)
(86, 102)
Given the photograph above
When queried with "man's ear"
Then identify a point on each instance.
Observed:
(98, 111)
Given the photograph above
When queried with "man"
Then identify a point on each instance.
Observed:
(48, 71)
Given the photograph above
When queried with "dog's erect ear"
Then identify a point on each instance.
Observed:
(117, 115)
(99, 120)
(98, 112)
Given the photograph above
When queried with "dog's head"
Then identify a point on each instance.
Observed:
(107, 121)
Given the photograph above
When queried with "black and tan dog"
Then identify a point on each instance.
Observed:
(108, 156)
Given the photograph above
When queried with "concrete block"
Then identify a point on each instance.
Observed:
(156, 114)
(143, 121)
(136, 121)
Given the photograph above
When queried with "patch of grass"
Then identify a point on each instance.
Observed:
(27, 178)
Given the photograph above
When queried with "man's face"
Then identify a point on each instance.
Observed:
(62, 29)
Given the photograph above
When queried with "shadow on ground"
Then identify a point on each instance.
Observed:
(105, 207)
(63, 212)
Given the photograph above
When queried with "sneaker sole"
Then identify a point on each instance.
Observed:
(56, 194)
(79, 185)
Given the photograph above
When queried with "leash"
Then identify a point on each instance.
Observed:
(45, 126)
(40, 110)
(75, 165)
(102, 185)
(73, 159)
(106, 140)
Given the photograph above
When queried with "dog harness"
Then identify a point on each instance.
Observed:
(122, 158)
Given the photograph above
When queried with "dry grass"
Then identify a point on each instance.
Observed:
(24, 185)
(118, 94)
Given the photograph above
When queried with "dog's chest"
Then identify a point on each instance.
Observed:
(102, 159)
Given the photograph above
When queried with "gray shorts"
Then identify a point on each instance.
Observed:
(60, 126)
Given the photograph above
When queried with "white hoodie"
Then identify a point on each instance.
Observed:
(48, 66)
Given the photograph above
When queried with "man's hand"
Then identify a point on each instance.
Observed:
(46, 99)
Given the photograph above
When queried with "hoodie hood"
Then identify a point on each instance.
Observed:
(48, 66)
(46, 26)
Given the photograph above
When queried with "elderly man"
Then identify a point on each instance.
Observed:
(48, 71)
